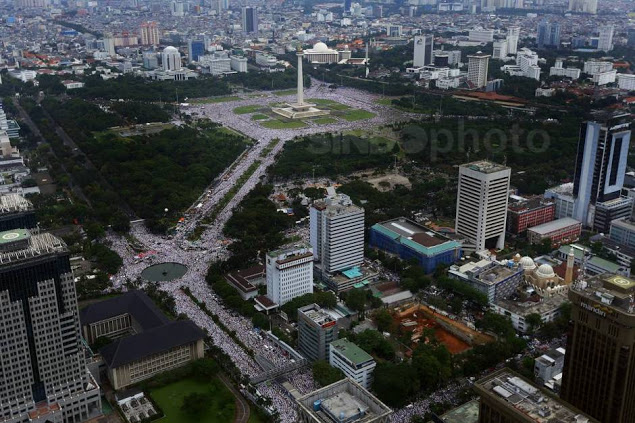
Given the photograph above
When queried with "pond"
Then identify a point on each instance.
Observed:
(164, 272)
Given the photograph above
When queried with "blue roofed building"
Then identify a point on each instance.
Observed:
(409, 240)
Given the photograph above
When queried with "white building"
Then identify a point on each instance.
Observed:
(266, 60)
(605, 41)
(513, 35)
(171, 59)
(583, 6)
(481, 207)
(423, 48)
(238, 63)
(593, 66)
(559, 70)
(337, 232)
(603, 78)
(321, 53)
(454, 56)
(481, 35)
(477, 69)
(626, 81)
(218, 63)
(289, 273)
(354, 362)
(500, 50)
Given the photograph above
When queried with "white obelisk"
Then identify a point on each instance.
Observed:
(300, 77)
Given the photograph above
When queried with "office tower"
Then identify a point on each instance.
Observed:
(599, 367)
(347, 6)
(605, 41)
(477, 69)
(42, 361)
(507, 397)
(481, 206)
(394, 30)
(337, 232)
(150, 60)
(149, 32)
(424, 45)
(513, 35)
(16, 212)
(500, 50)
(583, 6)
(109, 44)
(171, 59)
(316, 330)
(195, 49)
(600, 162)
(631, 37)
(177, 8)
(481, 35)
(548, 34)
(250, 20)
(354, 362)
(289, 273)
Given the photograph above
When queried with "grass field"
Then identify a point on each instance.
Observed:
(331, 104)
(214, 100)
(259, 116)
(278, 124)
(285, 93)
(243, 110)
(324, 120)
(357, 114)
(170, 398)
(384, 101)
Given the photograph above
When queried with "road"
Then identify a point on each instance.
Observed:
(242, 406)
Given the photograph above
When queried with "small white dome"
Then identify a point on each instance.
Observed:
(545, 271)
(527, 263)
(170, 49)
(320, 47)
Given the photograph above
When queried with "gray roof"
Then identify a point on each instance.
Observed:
(136, 303)
(154, 341)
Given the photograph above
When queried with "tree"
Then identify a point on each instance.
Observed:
(355, 299)
(534, 321)
(260, 321)
(394, 383)
(383, 320)
(324, 374)
(196, 404)
(204, 369)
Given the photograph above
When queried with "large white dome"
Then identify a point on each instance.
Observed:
(320, 47)
(545, 271)
(170, 49)
(527, 263)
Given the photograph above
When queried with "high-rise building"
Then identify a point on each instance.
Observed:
(513, 35)
(631, 37)
(149, 34)
(599, 366)
(605, 40)
(423, 47)
(354, 362)
(316, 330)
(195, 49)
(477, 69)
(481, 207)
(600, 163)
(177, 8)
(499, 49)
(42, 360)
(583, 6)
(289, 273)
(16, 212)
(171, 59)
(347, 6)
(238, 63)
(109, 44)
(548, 34)
(250, 20)
(337, 233)
(505, 396)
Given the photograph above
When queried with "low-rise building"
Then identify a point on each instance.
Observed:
(353, 361)
(594, 265)
(562, 196)
(494, 279)
(246, 281)
(603, 78)
(626, 81)
(559, 70)
(547, 307)
(523, 213)
(549, 365)
(566, 229)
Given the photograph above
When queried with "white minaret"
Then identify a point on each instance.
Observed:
(300, 77)
(568, 276)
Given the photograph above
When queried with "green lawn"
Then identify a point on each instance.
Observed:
(278, 124)
(357, 114)
(259, 117)
(324, 120)
(243, 110)
(285, 93)
(331, 104)
(215, 100)
(170, 398)
(384, 101)
(254, 417)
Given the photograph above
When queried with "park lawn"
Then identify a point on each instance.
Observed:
(285, 93)
(331, 104)
(254, 417)
(170, 397)
(324, 121)
(243, 110)
(278, 124)
(211, 100)
(259, 116)
(384, 101)
(357, 114)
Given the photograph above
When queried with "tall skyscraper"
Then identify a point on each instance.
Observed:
(513, 35)
(149, 34)
(289, 273)
(423, 47)
(171, 59)
(347, 6)
(583, 6)
(337, 233)
(477, 67)
(631, 37)
(481, 206)
(316, 330)
(250, 20)
(42, 363)
(195, 49)
(605, 41)
(600, 162)
(548, 34)
(599, 366)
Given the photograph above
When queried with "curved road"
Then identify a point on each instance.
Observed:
(242, 407)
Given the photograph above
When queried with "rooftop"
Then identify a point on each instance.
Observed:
(351, 352)
(610, 292)
(242, 278)
(291, 253)
(485, 166)
(554, 225)
(545, 304)
(415, 236)
(464, 413)
(11, 203)
(563, 189)
(136, 303)
(27, 246)
(316, 314)
(527, 399)
(493, 272)
(520, 204)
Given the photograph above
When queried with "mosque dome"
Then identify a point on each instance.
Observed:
(320, 47)
(170, 49)
(545, 271)
(527, 263)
